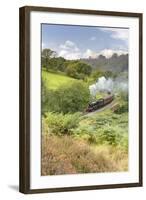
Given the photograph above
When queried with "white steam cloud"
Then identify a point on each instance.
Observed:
(108, 85)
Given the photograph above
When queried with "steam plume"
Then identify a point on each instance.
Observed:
(108, 85)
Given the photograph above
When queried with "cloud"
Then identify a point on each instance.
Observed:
(69, 55)
(93, 38)
(105, 52)
(117, 33)
(90, 54)
(109, 52)
(69, 50)
(68, 45)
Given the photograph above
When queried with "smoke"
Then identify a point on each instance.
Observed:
(109, 85)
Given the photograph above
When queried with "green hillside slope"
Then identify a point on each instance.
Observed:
(53, 81)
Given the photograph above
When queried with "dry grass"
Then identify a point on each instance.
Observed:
(67, 155)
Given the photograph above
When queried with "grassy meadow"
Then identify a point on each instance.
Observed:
(54, 80)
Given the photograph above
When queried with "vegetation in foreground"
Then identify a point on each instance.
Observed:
(67, 155)
(74, 143)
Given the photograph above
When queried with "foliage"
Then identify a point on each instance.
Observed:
(75, 69)
(69, 98)
(71, 141)
(47, 54)
(114, 64)
(44, 97)
(123, 103)
(109, 135)
(56, 64)
(97, 74)
(122, 108)
(104, 129)
(107, 74)
(123, 96)
(60, 124)
(67, 155)
(74, 97)
(50, 101)
(78, 70)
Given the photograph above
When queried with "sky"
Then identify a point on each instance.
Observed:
(75, 42)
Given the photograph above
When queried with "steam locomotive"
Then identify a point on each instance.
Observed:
(99, 103)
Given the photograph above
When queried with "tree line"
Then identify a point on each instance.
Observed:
(73, 68)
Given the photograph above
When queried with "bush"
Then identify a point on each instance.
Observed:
(50, 100)
(104, 129)
(78, 70)
(67, 99)
(86, 132)
(107, 74)
(74, 98)
(124, 143)
(65, 155)
(123, 95)
(60, 124)
(108, 136)
(122, 108)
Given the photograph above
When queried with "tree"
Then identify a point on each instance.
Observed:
(107, 74)
(78, 70)
(97, 74)
(71, 71)
(57, 64)
(60, 64)
(74, 97)
(47, 54)
(66, 99)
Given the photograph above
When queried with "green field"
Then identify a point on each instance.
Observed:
(53, 80)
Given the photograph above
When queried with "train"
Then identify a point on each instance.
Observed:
(100, 103)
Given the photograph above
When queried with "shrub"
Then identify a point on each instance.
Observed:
(86, 132)
(65, 155)
(74, 97)
(50, 100)
(108, 136)
(123, 95)
(60, 124)
(67, 99)
(122, 108)
(124, 143)
(78, 70)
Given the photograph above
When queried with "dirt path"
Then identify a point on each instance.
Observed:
(101, 109)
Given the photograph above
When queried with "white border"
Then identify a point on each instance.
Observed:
(132, 176)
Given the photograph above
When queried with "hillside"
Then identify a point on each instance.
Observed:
(53, 80)
(115, 63)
